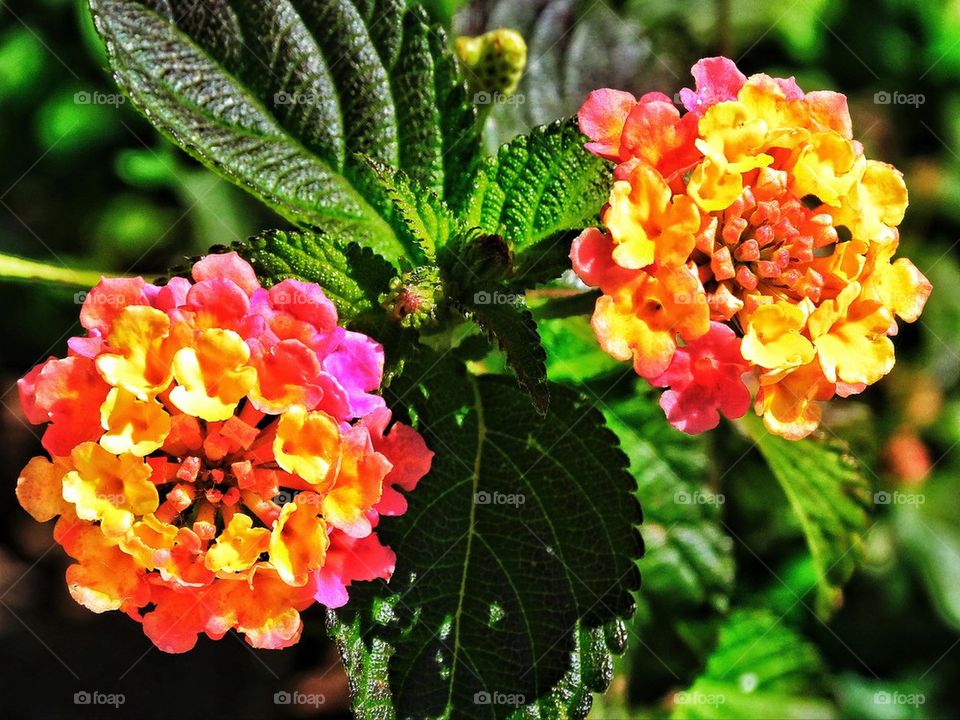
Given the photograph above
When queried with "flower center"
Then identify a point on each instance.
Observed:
(767, 241)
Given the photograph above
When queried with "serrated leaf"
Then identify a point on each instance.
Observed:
(760, 668)
(279, 96)
(591, 670)
(507, 322)
(351, 276)
(830, 496)
(421, 217)
(524, 527)
(536, 191)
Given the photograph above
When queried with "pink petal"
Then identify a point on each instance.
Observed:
(601, 119)
(229, 266)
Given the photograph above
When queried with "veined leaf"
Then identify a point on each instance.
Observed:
(279, 96)
(760, 668)
(351, 276)
(420, 217)
(591, 671)
(524, 527)
(829, 495)
(539, 188)
(507, 322)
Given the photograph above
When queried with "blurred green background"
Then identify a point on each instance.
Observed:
(86, 182)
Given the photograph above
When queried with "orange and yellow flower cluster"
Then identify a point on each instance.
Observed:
(218, 457)
(748, 243)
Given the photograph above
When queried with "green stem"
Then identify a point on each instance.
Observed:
(16, 268)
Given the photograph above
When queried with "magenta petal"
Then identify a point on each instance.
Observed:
(718, 80)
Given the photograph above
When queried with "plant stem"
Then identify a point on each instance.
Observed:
(17, 268)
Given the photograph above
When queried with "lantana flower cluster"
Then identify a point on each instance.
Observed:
(748, 248)
(218, 456)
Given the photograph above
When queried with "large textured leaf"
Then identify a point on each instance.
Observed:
(524, 528)
(280, 96)
(760, 669)
(538, 189)
(829, 495)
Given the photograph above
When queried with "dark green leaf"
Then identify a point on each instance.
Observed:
(507, 322)
(537, 189)
(830, 496)
(591, 671)
(523, 527)
(280, 96)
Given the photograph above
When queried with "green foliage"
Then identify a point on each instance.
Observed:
(830, 496)
(537, 189)
(280, 99)
(351, 276)
(507, 321)
(524, 527)
(760, 668)
(689, 563)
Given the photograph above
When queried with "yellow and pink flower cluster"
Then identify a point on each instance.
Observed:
(748, 245)
(218, 457)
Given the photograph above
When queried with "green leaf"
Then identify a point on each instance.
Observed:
(536, 191)
(279, 96)
(524, 527)
(507, 322)
(573, 353)
(351, 276)
(689, 565)
(591, 670)
(830, 496)
(760, 668)
(421, 218)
